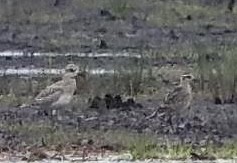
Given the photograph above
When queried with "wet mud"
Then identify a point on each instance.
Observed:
(207, 123)
(99, 30)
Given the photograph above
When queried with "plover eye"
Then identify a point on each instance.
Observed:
(71, 70)
(189, 77)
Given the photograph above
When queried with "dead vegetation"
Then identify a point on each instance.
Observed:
(173, 38)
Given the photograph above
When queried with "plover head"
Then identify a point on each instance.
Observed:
(186, 79)
(72, 68)
(71, 71)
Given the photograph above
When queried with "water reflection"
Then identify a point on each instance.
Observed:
(45, 71)
(89, 55)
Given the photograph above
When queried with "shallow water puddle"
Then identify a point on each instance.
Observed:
(89, 55)
(45, 71)
(30, 71)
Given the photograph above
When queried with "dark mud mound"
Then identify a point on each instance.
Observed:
(112, 102)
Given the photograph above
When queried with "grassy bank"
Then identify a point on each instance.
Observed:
(141, 146)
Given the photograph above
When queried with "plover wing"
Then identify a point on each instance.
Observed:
(50, 93)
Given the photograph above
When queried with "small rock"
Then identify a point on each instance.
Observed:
(109, 100)
(97, 103)
(103, 44)
(189, 17)
(123, 157)
(37, 155)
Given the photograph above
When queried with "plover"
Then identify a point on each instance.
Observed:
(178, 100)
(59, 94)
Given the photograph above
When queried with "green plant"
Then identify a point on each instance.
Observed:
(120, 8)
(33, 133)
(217, 72)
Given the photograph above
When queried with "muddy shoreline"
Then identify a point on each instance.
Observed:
(167, 44)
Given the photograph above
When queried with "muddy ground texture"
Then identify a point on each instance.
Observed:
(208, 123)
(100, 30)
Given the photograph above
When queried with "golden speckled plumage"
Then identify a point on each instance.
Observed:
(180, 98)
(61, 92)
